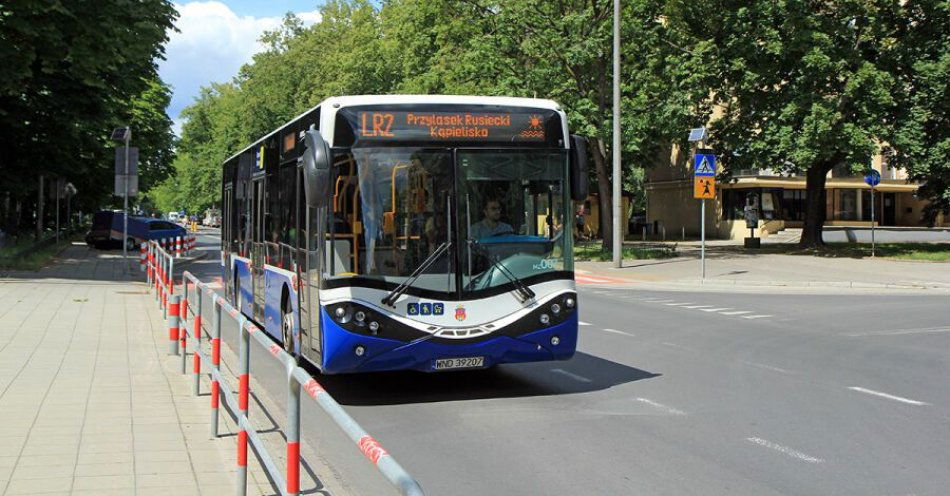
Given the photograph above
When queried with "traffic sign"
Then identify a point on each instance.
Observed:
(704, 165)
(873, 178)
(704, 188)
(133, 160)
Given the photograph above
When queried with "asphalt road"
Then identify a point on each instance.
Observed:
(671, 393)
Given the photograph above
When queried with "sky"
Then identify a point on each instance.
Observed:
(216, 37)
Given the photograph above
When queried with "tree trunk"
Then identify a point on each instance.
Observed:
(815, 204)
(603, 195)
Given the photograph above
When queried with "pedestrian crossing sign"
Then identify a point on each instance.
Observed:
(704, 188)
(704, 165)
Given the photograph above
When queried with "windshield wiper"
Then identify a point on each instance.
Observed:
(524, 292)
(393, 295)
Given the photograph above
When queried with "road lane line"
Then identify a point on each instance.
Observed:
(583, 323)
(768, 367)
(662, 301)
(677, 304)
(900, 332)
(888, 396)
(716, 309)
(756, 316)
(738, 312)
(618, 332)
(783, 449)
(699, 306)
(571, 375)
(661, 406)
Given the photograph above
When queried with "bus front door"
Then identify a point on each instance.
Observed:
(257, 251)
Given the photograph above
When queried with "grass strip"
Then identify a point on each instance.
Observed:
(592, 252)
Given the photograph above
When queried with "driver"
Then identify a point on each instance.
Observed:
(490, 225)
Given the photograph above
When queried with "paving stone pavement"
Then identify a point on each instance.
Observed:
(90, 402)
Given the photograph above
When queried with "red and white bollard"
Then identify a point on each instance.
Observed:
(173, 324)
(142, 253)
(177, 246)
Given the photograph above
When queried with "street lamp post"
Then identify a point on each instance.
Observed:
(618, 233)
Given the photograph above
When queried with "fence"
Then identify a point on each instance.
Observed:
(178, 307)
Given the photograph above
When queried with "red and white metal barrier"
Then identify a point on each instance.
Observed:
(289, 482)
(142, 252)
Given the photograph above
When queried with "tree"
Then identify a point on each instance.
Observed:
(72, 72)
(922, 138)
(804, 86)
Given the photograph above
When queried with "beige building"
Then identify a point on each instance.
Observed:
(780, 200)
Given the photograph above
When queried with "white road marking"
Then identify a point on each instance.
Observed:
(783, 449)
(618, 332)
(660, 406)
(583, 323)
(715, 309)
(699, 306)
(662, 301)
(571, 375)
(677, 304)
(738, 312)
(888, 396)
(900, 332)
(768, 367)
(756, 316)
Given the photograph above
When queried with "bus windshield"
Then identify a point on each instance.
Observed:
(512, 210)
(500, 211)
(391, 212)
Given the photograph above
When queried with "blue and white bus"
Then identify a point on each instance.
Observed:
(396, 232)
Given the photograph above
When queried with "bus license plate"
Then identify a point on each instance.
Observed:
(459, 363)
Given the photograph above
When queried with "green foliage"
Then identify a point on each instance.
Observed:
(922, 137)
(72, 71)
(794, 86)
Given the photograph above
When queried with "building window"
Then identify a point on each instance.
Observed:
(793, 204)
(848, 205)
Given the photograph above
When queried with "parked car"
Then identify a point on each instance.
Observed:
(107, 227)
(212, 218)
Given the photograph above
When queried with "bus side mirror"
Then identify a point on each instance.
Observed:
(316, 169)
(579, 186)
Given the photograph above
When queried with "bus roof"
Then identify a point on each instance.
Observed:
(355, 100)
(337, 102)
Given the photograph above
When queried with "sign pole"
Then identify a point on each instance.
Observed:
(702, 221)
(125, 201)
(872, 221)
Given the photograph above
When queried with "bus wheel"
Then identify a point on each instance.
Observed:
(287, 329)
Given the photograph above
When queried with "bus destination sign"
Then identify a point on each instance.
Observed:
(450, 126)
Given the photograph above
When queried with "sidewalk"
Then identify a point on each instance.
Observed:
(91, 403)
(728, 268)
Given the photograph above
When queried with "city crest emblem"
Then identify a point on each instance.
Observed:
(460, 313)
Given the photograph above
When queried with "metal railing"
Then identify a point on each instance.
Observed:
(160, 270)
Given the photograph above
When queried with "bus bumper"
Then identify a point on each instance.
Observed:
(340, 349)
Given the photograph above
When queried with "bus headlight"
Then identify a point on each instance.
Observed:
(339, 312)
(360, 316)
(544, 318)
(569, 302)
(374, 327)
(359, 350)
(555, 309)
(555, 340)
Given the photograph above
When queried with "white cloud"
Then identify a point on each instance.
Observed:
(211, 45)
